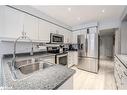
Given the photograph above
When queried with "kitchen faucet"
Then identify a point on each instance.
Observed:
(23, 37)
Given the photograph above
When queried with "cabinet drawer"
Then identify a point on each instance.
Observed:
(48, 59)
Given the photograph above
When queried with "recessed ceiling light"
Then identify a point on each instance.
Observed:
(103, 11)
(69, 9)
(78, 18)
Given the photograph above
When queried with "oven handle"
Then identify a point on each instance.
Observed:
(62, 55)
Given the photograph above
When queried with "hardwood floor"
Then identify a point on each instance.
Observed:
(101, 81)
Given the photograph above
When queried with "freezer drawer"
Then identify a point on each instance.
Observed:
(88, 64)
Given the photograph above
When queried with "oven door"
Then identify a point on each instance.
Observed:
(62, 59)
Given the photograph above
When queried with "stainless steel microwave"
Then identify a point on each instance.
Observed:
(56, 38)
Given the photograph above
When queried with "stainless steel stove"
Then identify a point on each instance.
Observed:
(60, 57)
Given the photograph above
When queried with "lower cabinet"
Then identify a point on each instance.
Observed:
(120, 74)
(48, 59)
(72, 58)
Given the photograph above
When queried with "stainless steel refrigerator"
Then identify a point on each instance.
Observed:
(88, 50)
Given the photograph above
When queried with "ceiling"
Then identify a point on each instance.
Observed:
(79, 14)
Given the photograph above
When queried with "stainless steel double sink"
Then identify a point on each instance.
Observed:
(31, 65)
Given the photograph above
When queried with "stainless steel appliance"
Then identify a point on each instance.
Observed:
(61, 57)
(88, 51)
(56, 38)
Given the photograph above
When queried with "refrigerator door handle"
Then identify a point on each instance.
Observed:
(86, 46)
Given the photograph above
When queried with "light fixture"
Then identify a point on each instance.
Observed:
(103, 11)
(69, 9)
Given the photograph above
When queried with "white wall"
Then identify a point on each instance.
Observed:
(106, 46)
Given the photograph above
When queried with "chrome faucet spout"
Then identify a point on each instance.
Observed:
(24, 37)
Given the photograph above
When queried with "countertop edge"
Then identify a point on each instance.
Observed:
(64, 81)
(121, 61)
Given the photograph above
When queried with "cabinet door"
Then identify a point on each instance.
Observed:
(75, 57)
(44, 31)
(50, 59)
(31, 26)
(83, 32)
(74, 37)
(2, 20)
(68, 36)
(13, 23)
(70, 59)
(65, 33)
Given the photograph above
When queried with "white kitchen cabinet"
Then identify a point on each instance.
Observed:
(30, 26)
(83, 32)
(70, 36)
(66, 35)
(72, 58)
(49, 59)
(12, 22)
(44, 31)
(74, 37)
(2, 15)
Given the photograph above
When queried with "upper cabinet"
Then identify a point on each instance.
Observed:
(44, 31)
(1, 20)
(30, 26)
(12, 23)
(15, 22)
(74, 36)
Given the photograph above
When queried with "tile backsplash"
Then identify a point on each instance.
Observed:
(21, 47)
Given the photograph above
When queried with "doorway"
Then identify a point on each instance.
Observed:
(107, 43)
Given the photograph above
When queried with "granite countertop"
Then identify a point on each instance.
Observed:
(49, 78)
(123, 59)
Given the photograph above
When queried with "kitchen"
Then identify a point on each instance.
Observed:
(40, 48)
